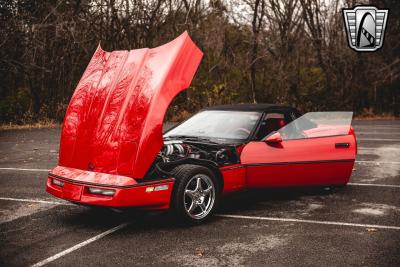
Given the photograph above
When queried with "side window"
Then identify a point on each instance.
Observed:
(317, 124)
(271, 122)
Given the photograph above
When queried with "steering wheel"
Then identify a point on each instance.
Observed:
(242, 131)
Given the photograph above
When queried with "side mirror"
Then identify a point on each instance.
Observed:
(274, 138)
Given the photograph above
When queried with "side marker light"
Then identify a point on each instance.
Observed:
(100, 191)
(58, 183)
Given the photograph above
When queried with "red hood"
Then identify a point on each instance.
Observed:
(114, 120)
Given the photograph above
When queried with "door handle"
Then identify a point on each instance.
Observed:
(342, 145)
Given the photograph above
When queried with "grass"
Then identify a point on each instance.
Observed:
(35, 125)
(384, 116)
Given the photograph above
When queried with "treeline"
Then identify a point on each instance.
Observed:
(281, 51)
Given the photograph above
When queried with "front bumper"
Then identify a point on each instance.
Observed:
(155, 195)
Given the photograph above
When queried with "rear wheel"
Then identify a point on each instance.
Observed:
(196, 193)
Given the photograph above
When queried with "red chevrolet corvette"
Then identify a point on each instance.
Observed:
(113, 151)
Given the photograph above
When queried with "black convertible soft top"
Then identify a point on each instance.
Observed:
(252, 107)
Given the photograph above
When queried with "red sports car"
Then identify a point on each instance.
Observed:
(113, 151)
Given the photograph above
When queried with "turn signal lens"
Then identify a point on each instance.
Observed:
(58, 183)
(156, 188)
(161, 187)
(150, 189)
(99, 191)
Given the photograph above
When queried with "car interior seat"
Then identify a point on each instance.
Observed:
(270, 125)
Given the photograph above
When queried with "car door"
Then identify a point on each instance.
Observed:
(319, 148)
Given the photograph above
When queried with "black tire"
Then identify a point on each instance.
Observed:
(185, 176)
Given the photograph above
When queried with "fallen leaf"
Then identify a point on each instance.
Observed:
(199, 252)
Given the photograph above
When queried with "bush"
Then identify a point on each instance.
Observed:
(16, 107)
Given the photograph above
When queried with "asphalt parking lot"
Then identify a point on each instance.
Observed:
(356, 225)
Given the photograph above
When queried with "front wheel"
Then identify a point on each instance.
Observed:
(196, 193)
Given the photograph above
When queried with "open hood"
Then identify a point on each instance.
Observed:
(113, 123)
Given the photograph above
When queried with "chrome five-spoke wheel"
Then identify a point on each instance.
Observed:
(196, 193)
(199, 196)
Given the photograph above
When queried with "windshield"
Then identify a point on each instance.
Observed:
(318, 124)
(219, 125)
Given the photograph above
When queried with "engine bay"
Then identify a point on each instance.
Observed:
(178, 151)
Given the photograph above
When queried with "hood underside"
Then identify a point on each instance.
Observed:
(114, 120)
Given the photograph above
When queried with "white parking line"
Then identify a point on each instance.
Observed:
(376, 133)
(357, 161)
(37, 201)
(80, 245)
(378, 139)
(377, 130)
(308, 221)
(377, 185)
(373, 126)
(376, 148)
(22, 169)
(377, 162)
